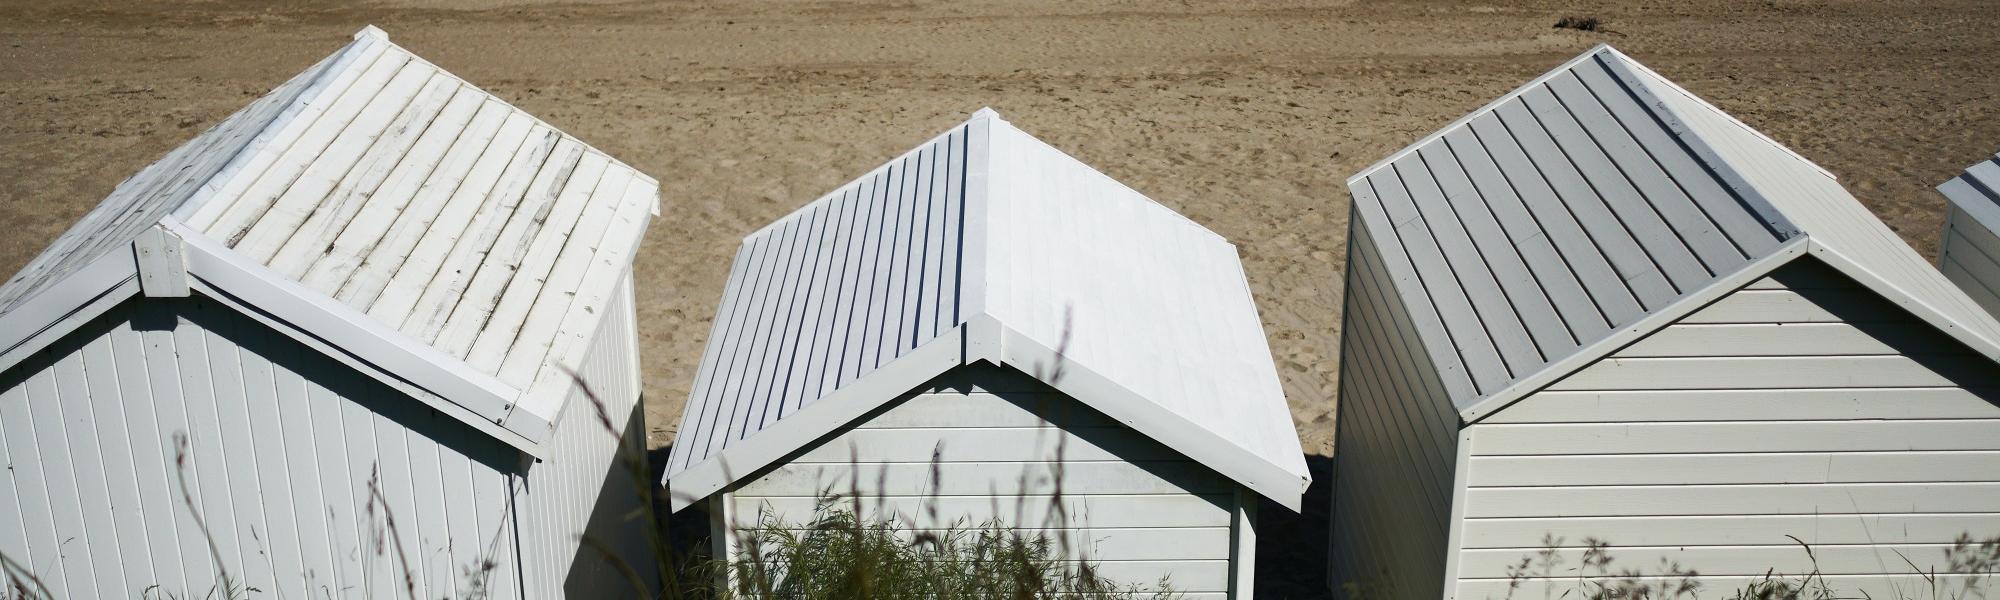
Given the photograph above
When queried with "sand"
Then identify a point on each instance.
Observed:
(1245, 116)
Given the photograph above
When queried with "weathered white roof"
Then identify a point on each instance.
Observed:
(1598, 202)
(986, 244)
(395, 213)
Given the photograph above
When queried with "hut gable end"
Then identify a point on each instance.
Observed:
(986, 245)
(1804, 404)
(983, 443)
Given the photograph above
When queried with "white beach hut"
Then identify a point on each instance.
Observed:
(1969, 249)
(1600, 308)
(360, 299)
(989, 305)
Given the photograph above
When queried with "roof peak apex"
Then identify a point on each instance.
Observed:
(371, 31)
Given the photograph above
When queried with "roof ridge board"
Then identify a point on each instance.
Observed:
(840, 189)
(201, 207)
(125, 215)
(1478, 409)
(1725, 114)
(1637, 79)
(1489, 107)
(1044, 145)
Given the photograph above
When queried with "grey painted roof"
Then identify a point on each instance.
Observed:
(1977, 192)
(986, 244)
(1527, 234)
(395, 193)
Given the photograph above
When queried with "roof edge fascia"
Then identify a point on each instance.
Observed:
(1909, 302)
(338, 331)
(1481, 408)
(718, 472)
(1050, 366)
(61, 308)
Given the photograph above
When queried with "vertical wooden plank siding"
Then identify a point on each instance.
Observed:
(1395, 441)
(282, 443)
(562, 502)
(983, 442)
(1856, 429)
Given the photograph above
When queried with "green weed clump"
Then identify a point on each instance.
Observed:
(841, 555)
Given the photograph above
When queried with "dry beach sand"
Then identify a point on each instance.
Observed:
(1245, 116)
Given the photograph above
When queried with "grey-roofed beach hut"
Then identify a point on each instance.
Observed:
(1601, 308)
(360, 300)
(990, 305)
(1969, 249)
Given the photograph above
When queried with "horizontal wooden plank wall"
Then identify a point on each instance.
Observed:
(1818, 412)
(1397, 440)
(286, 450)
(567, 497)
(983, 445)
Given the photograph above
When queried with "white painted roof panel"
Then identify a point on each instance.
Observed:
(376, 179)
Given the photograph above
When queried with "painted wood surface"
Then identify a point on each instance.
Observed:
(1397, 436)
(1880, 451)
(168, 184)
(283, 444)
(1026, 253)
(961, 457)
(1969, 254)
(827, 289)
(1538, 225)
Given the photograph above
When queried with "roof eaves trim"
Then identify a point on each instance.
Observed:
(816, 420)
(1988, 348)
(443, 381)
(1710, 106)
(76, 299)
(1078, 381)
(1481, 408)
(1624, 69)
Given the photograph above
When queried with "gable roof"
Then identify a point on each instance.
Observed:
(384, 211)
(1600, 202)
(986, 244)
